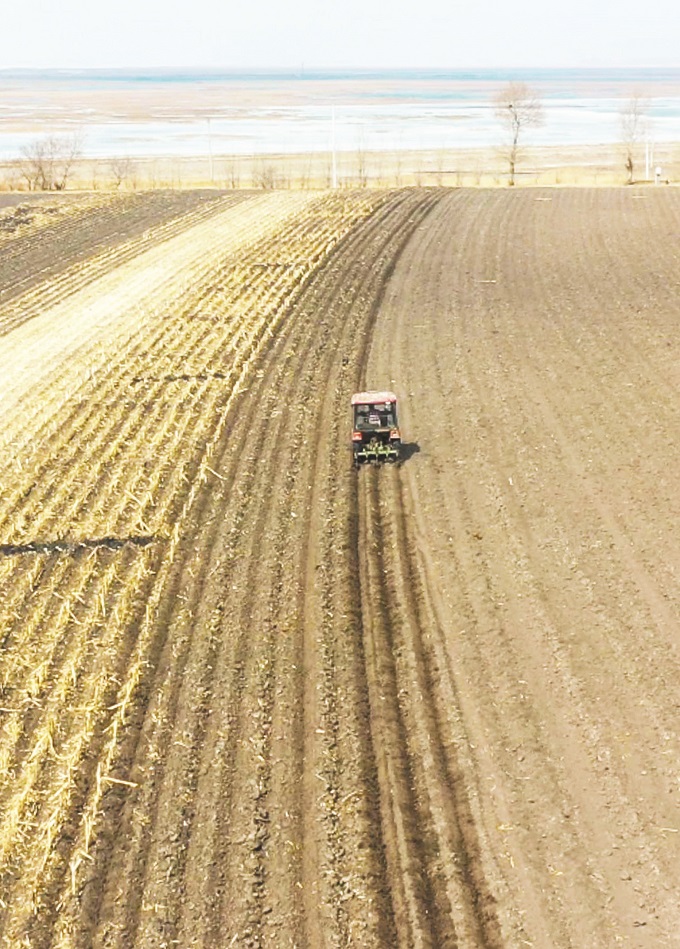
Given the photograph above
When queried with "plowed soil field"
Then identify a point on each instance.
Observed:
(251, 697)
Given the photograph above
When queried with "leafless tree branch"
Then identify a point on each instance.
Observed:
(46, 164)
(634, 125)
(121, 169)
(517, 107)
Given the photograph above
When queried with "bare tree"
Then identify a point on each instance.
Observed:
(234, 173)
(397, 170)
(305, 173)
(35, 165)
(362, 174)
(517, 107)
(121, 169)
(46, 164)
(13, 175)
(265, 175)
(439, 174)
(633, 124)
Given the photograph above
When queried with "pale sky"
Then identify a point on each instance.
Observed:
(348, 34)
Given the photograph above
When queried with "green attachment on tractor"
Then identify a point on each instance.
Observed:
(376, 451)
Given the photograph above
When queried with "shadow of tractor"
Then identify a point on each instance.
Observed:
(408, 450)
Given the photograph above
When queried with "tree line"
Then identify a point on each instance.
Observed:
(47, 164)
(518, 107)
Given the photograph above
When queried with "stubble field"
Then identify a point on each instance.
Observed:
(250, 697)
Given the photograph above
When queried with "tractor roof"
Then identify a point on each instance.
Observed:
(368, 398)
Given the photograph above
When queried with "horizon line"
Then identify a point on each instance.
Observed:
(300, 71)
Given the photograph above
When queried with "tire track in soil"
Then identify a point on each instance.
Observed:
(254, 923)
(434, 851)
(358, 908)
(433, 847)
(243, 810)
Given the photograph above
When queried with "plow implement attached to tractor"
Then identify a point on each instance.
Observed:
(375, 434)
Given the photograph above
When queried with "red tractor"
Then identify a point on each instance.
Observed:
(375, 433)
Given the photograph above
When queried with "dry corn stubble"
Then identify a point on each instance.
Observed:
(90, 488)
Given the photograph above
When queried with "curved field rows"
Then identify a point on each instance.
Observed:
(106, 468)
(251, 697)
(56, 248)
(54, 351)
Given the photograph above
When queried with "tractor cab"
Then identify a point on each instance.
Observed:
(375, 428)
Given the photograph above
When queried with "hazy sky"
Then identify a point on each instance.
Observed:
(351, 33)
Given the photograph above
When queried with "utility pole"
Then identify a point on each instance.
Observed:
(210, 152)
(647, 160)
(649, 157)
(334, 163)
